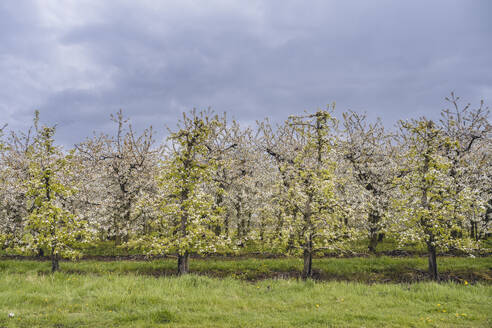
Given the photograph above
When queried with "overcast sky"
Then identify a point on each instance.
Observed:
(78, 61)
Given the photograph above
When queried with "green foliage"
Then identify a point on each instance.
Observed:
(50, 224)
(110, 300)
(306, 190)
(431, 213)
(187, 215)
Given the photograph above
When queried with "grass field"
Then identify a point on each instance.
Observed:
(360, 269)
(111, 300)
(138, 294)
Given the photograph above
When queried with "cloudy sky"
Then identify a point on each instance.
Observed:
(78, 61)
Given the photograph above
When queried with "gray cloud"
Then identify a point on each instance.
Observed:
(80, 61)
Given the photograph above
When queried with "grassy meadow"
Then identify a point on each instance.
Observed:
(114, 287)
(112, 300)
(242, 293)
(382, 269)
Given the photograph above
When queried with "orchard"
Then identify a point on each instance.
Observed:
(311, 186)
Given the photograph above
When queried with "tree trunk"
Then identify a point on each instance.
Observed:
(183, 263)
(248, 223)
(476, 234)
(307, 271)
(433, 263)
(262, 230)
(55, 265)
(240, 218)
(183, 258)
(218, 202)
(117, 239)
(425, 223)
(373, 242)
(487, 217)
(373, 232)
(226, 224)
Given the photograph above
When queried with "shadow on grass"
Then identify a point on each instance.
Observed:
(409, 276)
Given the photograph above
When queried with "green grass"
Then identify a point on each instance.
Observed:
(368, 270)
(111, 300)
